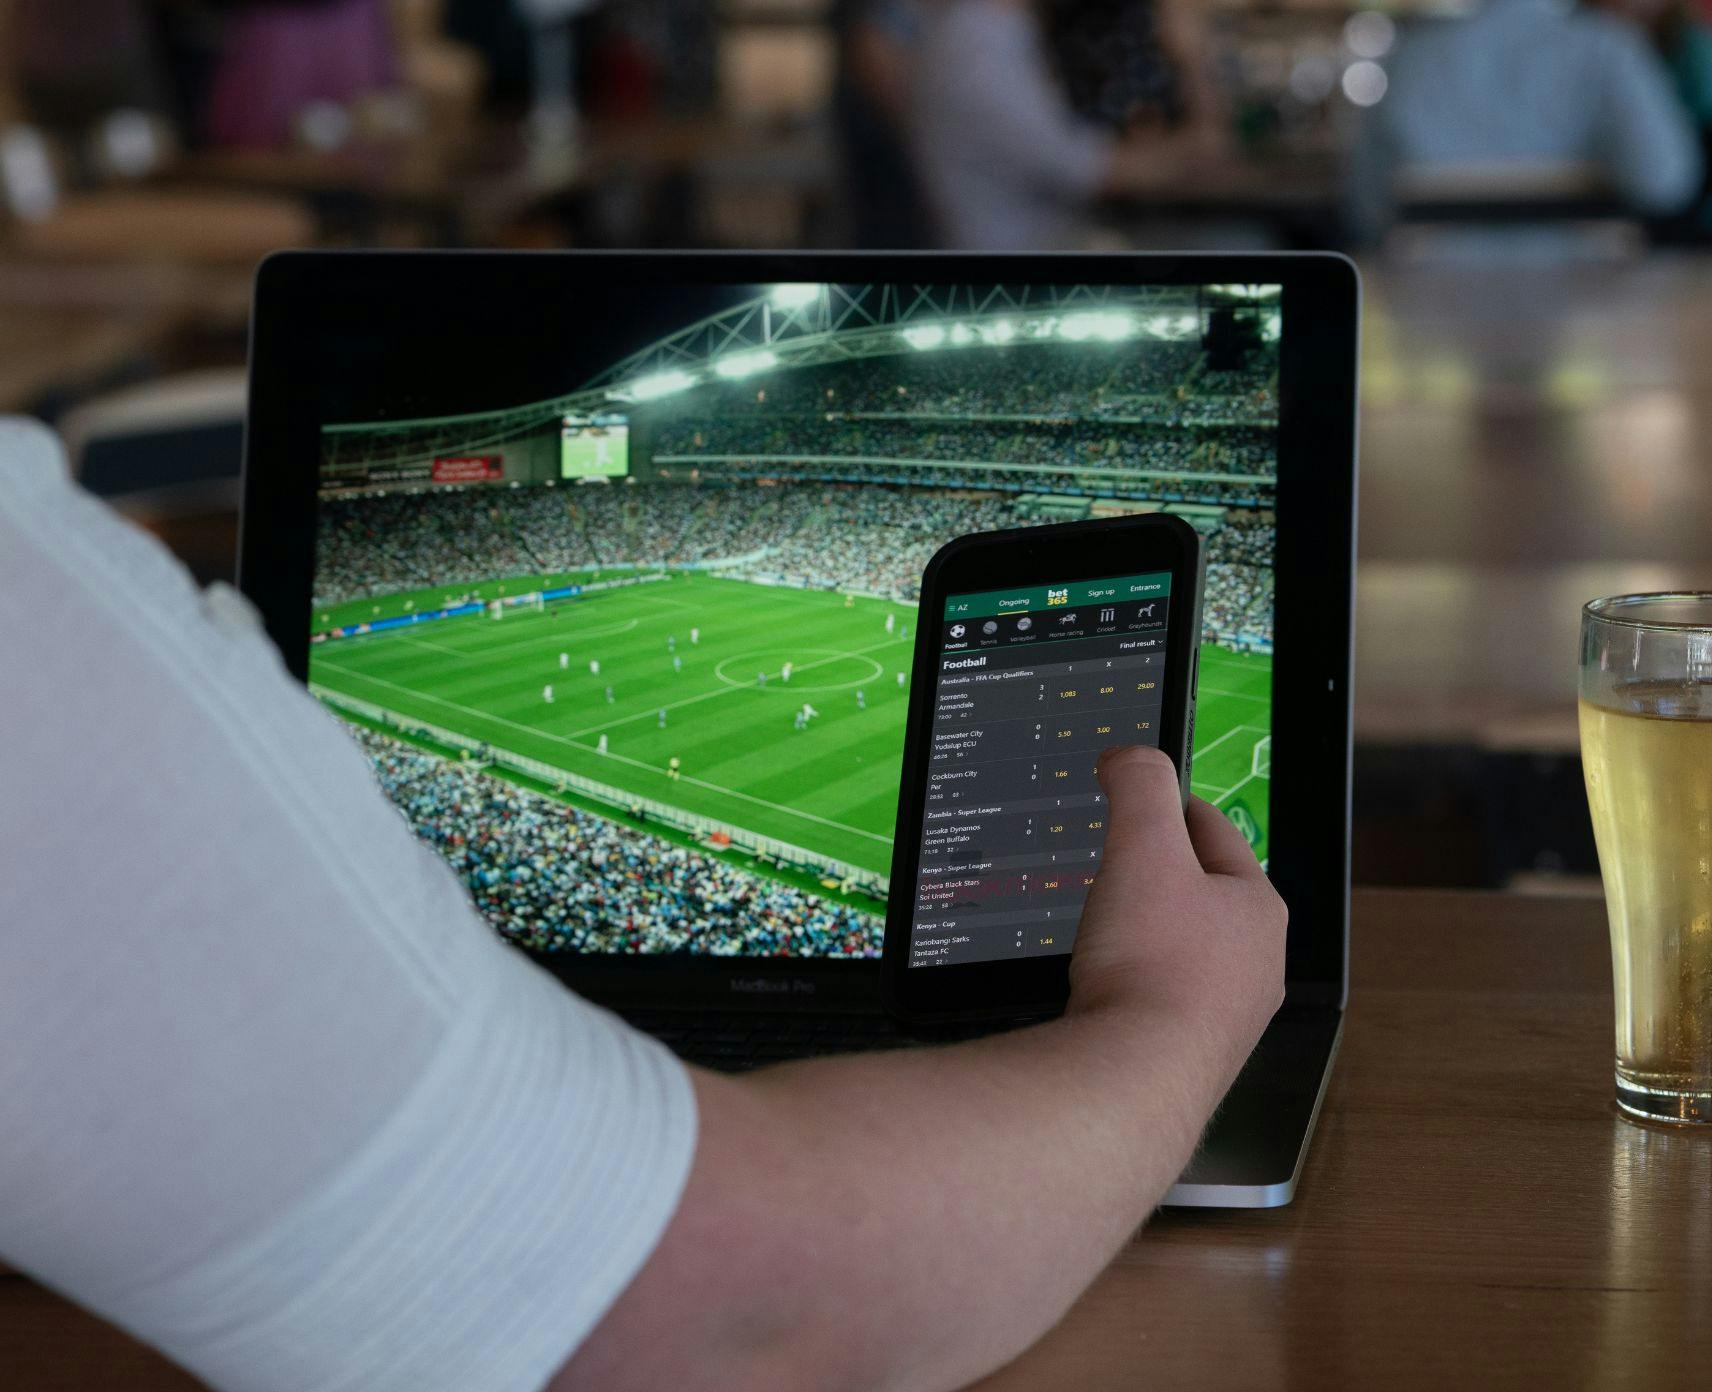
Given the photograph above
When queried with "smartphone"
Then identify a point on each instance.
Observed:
(1036, 649)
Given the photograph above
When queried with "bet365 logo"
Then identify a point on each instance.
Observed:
(1057, 597)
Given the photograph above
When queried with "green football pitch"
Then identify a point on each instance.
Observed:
(831, 789)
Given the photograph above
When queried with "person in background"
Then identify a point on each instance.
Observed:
(1135, 65)
(1682, 34)
(498, 34)
(77, 60)
(870, 105)
(280, 62)
(1527, 84)
(1007, 161)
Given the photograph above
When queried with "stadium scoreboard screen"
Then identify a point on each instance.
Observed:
(594, 446)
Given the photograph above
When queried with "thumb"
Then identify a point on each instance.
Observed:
(1145, 809)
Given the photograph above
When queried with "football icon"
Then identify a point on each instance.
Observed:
(957, 630)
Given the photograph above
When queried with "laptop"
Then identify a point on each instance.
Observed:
(609, 562)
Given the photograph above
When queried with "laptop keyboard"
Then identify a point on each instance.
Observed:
(733, 1041)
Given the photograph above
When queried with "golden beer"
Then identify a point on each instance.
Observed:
(1646, 685)
(1647, 755)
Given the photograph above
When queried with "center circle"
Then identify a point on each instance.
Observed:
(817, 660)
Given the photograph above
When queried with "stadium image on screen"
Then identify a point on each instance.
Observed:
(596, 446)
(642, 677)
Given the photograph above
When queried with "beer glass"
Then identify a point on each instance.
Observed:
(1646, 751)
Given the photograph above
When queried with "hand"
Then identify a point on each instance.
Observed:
(1181, 917)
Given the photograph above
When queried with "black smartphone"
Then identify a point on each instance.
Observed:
(1036, 649)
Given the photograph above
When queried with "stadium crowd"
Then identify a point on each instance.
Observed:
(376, 544)
(556, 879)
(985, 443)
(1236, 607)
(874, 539)
(813, 533)
(1238, 491)
(1162, 381)
(1246, 538)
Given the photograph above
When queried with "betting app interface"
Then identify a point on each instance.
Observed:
(1031, 685)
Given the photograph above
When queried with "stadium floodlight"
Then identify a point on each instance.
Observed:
(660, 384)
(999, 331)
(795, 296)
(925, 336)
(1245, 292)
(745, 364)
(1106, 325)
(962, 335)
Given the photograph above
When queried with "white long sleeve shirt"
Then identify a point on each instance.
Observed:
(272, 1097)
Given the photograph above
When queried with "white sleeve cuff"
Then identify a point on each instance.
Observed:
(478, 1237)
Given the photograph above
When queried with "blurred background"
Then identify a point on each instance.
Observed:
(1522, 181)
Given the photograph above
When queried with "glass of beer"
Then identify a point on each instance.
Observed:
(1646, 751)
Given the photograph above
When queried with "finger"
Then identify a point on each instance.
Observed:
(1219, 846)
(1144, 802)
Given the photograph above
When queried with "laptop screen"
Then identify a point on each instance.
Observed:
(635, 658)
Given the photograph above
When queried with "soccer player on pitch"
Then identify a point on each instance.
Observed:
(547, 694)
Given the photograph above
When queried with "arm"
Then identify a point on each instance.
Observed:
(1001, 107)
(1647, 146)
(916, 1219)
(1183, 31)
(272, 1096)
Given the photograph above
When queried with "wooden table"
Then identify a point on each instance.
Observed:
(1473, 1213)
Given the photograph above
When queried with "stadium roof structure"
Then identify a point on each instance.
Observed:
(803, 325)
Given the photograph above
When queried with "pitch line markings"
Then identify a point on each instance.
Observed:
(548, 638)
(517, 643)
(723, 691)
(1214, 794)
(832, 656)
(1240, 695)
(1237, 787)
(424, 643)
(615, 758)
(1218, 797)
(1234, 730)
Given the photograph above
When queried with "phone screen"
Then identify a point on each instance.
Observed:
(1032, 683)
